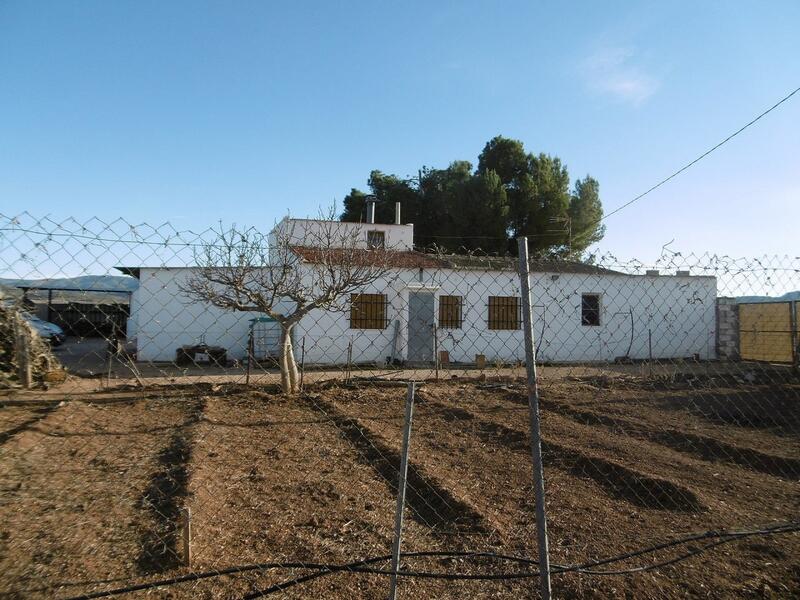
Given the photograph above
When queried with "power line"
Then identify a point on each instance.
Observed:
(591, 227)
(579, 236)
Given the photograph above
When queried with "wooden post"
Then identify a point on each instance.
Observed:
(302, 362)
(110, 351)
(27, 369)
(186, 525)
(23, 351)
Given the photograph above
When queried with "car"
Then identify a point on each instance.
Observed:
(46, 330)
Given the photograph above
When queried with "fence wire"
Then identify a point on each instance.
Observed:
(147, 445)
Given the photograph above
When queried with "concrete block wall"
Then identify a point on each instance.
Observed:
(727, 329)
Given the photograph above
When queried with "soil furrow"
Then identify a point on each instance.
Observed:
(39, 414)
(164, 495)
(700, 446)
(617, 480)
(431, 504)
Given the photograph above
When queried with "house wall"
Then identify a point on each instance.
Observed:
(131, 327)
(303, 232)
(676, 315)
(327, 334)
(163, 318)
(664, 317)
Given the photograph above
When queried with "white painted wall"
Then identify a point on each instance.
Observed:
(131, 327)
(164, 319)
(678, 312)
(302, 232)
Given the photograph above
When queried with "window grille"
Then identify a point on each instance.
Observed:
(590, 310)
(376, 239)
(451, 312)
(504, 312)
(368, 311)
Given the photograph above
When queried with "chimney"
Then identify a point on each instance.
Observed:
(397, 213)
(651, 272)
(370, 210)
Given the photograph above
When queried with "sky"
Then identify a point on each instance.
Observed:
(201, 112)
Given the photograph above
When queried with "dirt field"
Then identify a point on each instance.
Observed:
(92, 489)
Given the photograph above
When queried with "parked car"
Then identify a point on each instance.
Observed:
(46, 330)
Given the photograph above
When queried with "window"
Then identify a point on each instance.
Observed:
(450, 313)
(376, 239)
(368, 311)
(504, 312)
(590, 310)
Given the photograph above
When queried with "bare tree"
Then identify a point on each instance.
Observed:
(286, 275)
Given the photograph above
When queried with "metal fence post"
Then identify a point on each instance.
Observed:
(533, 409)
(250, 353)
(793, 325)
(401, 490)
(349, 372)
(436, 350)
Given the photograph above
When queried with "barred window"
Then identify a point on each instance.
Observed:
(504, 312)
(376, 239)
(368, 311)
(450, 312)
(590, 310)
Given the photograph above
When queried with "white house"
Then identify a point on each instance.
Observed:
(463, 305)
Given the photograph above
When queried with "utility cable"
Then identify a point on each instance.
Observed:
(584, 569)
(362, 566)
(590, 228)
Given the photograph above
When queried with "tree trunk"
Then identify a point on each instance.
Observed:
(290, 377)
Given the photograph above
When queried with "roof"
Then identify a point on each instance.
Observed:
(401, 259)
(132, 271)
(411, 259)
(345, 222)
(511, 263)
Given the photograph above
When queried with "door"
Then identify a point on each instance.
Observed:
(420, 326)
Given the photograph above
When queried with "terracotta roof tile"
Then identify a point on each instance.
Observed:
(402, 259)
(411, 259)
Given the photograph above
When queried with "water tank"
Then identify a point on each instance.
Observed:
(266, 334)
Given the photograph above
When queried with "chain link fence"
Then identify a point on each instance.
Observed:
(149, 445)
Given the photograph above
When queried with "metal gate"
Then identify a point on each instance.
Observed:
(768, 331)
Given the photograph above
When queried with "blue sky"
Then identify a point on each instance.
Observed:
(199, 112)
